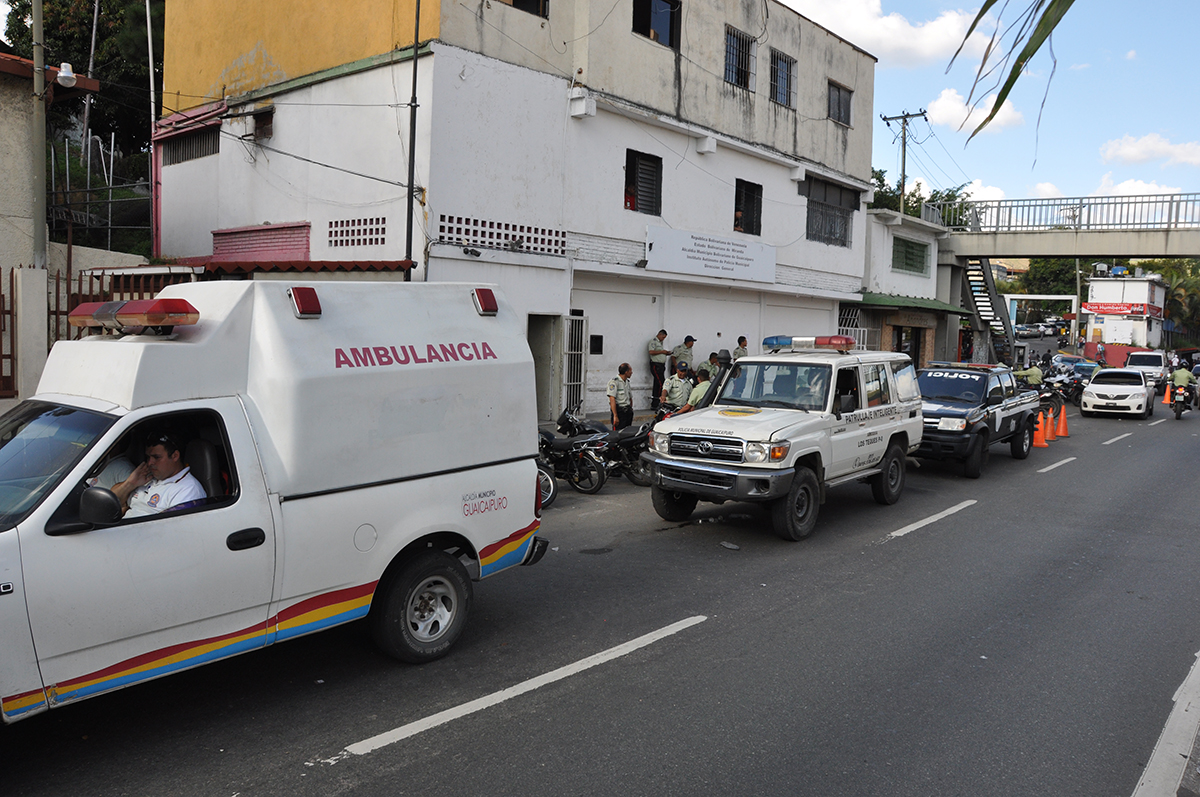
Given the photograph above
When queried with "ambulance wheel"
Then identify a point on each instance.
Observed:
(795, 515)
(673, 506)
(887, 486)
(419, 611)
(547, 485)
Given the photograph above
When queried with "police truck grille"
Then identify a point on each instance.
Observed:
(714, 448)
(699, 478)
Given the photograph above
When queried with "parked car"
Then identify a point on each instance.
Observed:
(1118, 390)
(1027, 331)
(1152, 363)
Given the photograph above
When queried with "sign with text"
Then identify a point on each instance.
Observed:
(684, 252)
(1123, 308)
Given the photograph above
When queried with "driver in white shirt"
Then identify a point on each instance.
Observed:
(162, 482)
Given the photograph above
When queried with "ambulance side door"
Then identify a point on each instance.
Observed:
(20, 682)
(111, 606)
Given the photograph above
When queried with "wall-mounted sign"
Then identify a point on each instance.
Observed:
(1123, 308)
(683, 252)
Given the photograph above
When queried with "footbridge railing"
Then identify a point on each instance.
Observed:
(1155, 212)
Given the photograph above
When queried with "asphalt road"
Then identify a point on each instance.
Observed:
(1029, 643)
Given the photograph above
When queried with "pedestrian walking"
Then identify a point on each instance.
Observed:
(659, 354)
(620, 397)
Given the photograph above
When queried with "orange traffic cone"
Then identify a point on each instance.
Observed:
(1061, 431)
(1050, 436)
(1039, 437)
(1167, 395)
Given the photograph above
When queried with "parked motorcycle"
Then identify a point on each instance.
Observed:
(622, 450)
(1181, 397)
(573, 459)
(547, 484)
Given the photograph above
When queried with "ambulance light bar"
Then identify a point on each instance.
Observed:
(842, 343)
(137, 313)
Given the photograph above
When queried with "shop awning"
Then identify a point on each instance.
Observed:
(910, 302)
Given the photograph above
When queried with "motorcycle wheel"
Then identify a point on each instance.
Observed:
(587, 473)
(548, 485)
(638, 472)
(1178, 410)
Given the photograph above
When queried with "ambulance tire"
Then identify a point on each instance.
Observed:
(421, 608)
(794, 516)
(887, 486)
(673, 506)
(548, 485)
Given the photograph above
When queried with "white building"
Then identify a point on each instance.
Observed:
(615, 169)
(1126, 310)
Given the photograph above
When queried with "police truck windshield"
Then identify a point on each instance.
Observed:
(951, 385)
(789, 386)
(39, 442)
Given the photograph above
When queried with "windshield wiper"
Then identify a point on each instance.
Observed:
(950, 398)
(783, 405)
(738, 401)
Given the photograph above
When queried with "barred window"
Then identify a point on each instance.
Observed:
(747, 208)
(783, 79)
(910, 256)
(830, 211)
(839, 103)
(643, 182)
(191, 146)
(740, 54)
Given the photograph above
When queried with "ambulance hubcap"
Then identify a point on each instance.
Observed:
(432, 609)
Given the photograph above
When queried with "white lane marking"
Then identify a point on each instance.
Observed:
(1115, 439)
(1156, 423)
(1165, 768)
(1049, 468)
(413, 728)
(930, 519)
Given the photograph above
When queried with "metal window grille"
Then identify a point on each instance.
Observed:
(740, 57)
(839, 103)
(847, 316)
(643, 182)
(783, 79)
(829, 224)
(575, 348)
(910, 256)
(747, 203)
(191, 146)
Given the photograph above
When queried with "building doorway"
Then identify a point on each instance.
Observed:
(545, 342)
(908, 340)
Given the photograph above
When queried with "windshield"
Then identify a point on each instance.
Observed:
(951, 385)
(1086, 369)
(39, 443)
(1145, 359)
(1116, 378)
(789, 386)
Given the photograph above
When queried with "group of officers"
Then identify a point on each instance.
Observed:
(683, 389)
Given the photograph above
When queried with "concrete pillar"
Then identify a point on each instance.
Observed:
(33, 321)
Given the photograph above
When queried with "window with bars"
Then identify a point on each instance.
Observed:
(910, 256)
(747, 208)
(191, 146)
(839, 103)
(643, 183)
(830, 211)
(740, 54)
(783, 79)
(657, 20)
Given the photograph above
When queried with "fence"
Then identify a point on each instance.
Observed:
(8, 339)
(67, 291)
(1156, 212)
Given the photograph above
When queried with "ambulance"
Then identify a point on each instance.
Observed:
(366, 450)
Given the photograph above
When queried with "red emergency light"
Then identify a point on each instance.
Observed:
(842, 343)
(305, 302)
(485, 301)
(137, 313)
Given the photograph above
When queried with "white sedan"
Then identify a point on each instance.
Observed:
(1122, 390)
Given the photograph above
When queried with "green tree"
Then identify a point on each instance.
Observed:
(887, 196)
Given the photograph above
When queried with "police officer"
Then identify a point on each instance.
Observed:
(659, 354)
(1032, 375)
(677, 387)
(620, 397)
(741, 350)
(698, 391)
(683, 354)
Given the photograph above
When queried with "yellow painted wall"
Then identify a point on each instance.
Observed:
(216, 48)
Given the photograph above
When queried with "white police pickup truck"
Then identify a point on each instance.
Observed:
(785, 426)
(351, 468)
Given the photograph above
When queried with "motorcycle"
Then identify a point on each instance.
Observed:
(1050, 401)
(1180, 399)
(622, 449)
(547, 484)
(573, 459)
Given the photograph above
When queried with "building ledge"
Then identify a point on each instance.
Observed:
(869, 299)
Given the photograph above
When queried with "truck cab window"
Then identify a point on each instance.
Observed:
(847, 385)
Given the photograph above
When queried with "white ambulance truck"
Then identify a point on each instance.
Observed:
(366, 450)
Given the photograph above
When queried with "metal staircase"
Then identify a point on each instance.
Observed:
(980, 292)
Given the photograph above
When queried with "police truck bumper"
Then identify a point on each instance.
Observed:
(717, 482)
(937, 444)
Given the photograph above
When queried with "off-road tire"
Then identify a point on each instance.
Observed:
(977, 456)
(795, 515)
(671, 505)
(887, 485)
(420, 609)
(1021, 442)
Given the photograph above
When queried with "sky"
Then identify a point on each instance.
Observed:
(1117, 104)
(1119, 114)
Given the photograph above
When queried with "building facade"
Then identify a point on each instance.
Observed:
(1126, 310)
(615, 169)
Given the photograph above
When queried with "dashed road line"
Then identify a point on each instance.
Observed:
(1162, 420)
(419, 726)
(1049, 468)
(931, 519)
(1115, 439)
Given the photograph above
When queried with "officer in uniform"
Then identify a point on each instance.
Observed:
(620, 397)
(677, 387)
(659, 354)
(698, 392)
(683, 354)
(741, 350)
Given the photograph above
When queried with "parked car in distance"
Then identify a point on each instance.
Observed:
(1027, 331)
(1118, 390)
(1154, 365)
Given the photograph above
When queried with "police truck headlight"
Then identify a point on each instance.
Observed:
(767, 452)
(661, 442)
(952, 424)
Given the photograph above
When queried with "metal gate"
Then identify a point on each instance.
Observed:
(66, 292)
(575, 338)
(8, 339)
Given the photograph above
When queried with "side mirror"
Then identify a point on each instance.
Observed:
(99, 507)
(994, 399)
(846, 404)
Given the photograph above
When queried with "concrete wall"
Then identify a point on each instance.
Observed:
(879, 276)
(16, 219)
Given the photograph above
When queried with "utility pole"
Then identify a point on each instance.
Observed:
(38, 142)
(903, 119)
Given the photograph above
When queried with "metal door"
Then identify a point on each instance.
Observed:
(575, 351)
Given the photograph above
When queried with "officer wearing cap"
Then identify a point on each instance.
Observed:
(677, 387)
(620, 397)
(683, 354)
